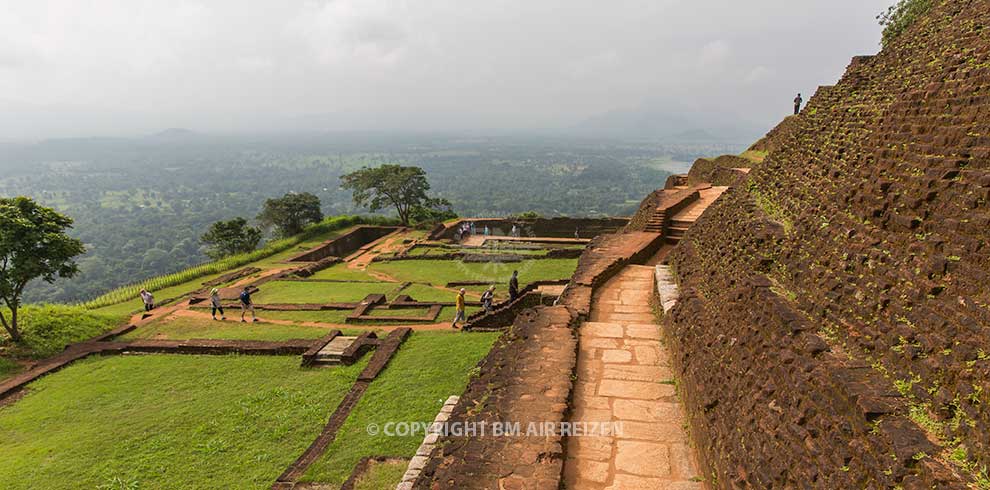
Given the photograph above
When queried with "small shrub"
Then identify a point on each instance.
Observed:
(900, 16)
(49, 328)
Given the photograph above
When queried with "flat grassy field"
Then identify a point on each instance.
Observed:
(399, 312)
(167, 422)
(430, 367)
(423, 292)
(322, 316)
(318, 292)
(340, 272)
(47, 329)
(440, 272)
(382, 476)
(182, 328)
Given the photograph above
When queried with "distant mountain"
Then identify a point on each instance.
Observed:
(666, 125)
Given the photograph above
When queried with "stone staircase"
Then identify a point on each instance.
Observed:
(333, 352)
(681, 221)
(656, 222)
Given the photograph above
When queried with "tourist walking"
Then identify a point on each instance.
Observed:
(246, 304)
(148, 299)
(215, 304)
(797, 104)
(487, 298)
(487, 231)
(514, 286)
(515, 231)
(459, 315)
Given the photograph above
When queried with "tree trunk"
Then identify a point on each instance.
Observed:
(11, 326)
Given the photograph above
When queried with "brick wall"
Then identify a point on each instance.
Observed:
(869, 218)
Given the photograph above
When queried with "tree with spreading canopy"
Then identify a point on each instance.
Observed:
(403, 188)
(33, 244)
(290, 213)
(232, 237)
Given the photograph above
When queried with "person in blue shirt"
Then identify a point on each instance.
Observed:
(246, 304)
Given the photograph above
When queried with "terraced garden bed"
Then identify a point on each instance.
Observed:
(167, 421)
(430, 367)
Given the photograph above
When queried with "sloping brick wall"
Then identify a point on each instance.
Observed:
(869, 217)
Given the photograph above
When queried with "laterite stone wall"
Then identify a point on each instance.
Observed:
(865, 234)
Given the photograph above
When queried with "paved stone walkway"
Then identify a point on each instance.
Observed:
(624, 376)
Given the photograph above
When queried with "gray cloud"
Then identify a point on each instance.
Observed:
(133, 66)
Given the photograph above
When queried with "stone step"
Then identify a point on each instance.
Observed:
(333, 352)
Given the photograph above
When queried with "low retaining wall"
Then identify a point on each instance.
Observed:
(528, 377)
(525, 378)
(82, 350)
(345, 244)
(383, 354)
(539, 227)
(664, 201)
(505, 312)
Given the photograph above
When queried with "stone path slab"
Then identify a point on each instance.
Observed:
(624, 377)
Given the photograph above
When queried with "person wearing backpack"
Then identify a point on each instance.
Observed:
(246, 304)
(216, 305)
(148, 299)
(487, 298)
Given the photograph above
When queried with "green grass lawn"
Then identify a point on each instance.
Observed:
(47, 329)
(322, 316)
(429, 367)
(318, 292)
(399, 312)
(182, 328)
(423, 292)
(8, 368)
(382, 476)
(440, 272)
(135, 305)
(167, 422)
(340, 272)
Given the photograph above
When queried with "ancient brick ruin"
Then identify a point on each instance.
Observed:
(813, 313)
(833, 319)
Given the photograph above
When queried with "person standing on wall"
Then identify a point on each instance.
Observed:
(797, 104)
(514, 286)
(459, 307)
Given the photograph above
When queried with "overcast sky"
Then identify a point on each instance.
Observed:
(80, 68)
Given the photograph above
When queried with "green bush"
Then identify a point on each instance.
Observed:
(126, 293)
(900, 16)
(49, 328)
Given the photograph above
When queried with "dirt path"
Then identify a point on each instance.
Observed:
(139, 319)
(624, 377)
(205, 315)
(386, 244)
(246, 281)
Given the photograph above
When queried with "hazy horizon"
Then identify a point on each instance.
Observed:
(133, 68)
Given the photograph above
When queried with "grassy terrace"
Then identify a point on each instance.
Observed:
(319, 292)
(429, 367)
(440, 272)
(185, 327)
(163, 421)
(171, 421)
